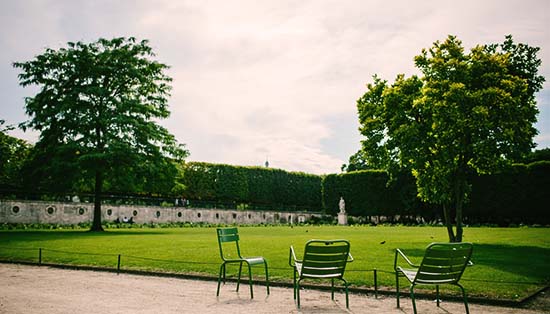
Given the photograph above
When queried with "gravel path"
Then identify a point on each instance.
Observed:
(33, 289)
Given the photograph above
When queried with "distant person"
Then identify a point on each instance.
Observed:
(125, 219)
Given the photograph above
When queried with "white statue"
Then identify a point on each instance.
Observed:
(342, 205)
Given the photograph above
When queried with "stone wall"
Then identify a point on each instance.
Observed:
(20, 211)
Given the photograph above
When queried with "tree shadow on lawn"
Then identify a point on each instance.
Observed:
(530, 262)
(49, 235)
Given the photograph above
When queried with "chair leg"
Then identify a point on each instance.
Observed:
(266, 278)
(250, 281)
(239, 276)
(413, 299)
(465, 299)
(332, 289)
(222, 266)
(347, 298)
(397, 286)
(437, 295)
(294, 283)
(298, 294)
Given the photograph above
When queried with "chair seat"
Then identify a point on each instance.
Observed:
(254, 260)
(409, 273)
(299, 267)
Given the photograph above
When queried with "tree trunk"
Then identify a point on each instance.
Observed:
(96, 223)
(448, 223)
(459, 205)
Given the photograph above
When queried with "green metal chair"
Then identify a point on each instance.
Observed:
(230, 252)
(323, 259)
(443, 263)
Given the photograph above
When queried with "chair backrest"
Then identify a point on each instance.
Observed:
(444, 263)
(228, 235)
(325, 259)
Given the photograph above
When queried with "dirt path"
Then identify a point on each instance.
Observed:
(32, 289)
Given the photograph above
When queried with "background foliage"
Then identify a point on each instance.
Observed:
(514, 195)
(256, 185)
(13, 153)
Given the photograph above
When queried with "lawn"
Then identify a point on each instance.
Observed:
(510, 263)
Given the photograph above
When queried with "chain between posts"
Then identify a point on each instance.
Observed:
(374, 270)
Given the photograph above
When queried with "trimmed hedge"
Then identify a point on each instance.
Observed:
(520, 194)
(364, 192)
(516, 195)
(252, 185)
(369, 193)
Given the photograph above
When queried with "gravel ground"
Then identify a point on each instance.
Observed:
(33, 289)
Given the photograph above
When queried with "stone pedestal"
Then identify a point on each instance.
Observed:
(342, 219)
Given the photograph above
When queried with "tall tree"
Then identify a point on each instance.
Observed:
(97, 110)
(468, 113)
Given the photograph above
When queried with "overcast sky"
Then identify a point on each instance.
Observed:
(276, 80)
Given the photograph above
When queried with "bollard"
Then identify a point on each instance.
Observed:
(375, 284)
(40, 256)
(118, 265)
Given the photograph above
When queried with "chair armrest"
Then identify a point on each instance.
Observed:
(399, 253)
(470, 263)
(350, 258)
(292, 257)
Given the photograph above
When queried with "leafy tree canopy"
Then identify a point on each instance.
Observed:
(97, 111)
(467, 113)
(356, 162)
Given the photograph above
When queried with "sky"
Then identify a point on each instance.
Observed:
(269, 80)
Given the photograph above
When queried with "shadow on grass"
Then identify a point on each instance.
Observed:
(63, 234)
(530, 262)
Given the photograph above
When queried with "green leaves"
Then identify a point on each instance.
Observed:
(102, 100)
(468, 113)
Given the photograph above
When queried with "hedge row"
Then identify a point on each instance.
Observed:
(367, 193)
(517, 195)
(520, 194)
(251, 185)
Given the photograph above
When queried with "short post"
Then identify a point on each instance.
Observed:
(118, 265)
(39, 256)
(375, 284)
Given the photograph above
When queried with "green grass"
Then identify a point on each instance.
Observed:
(510, 263)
